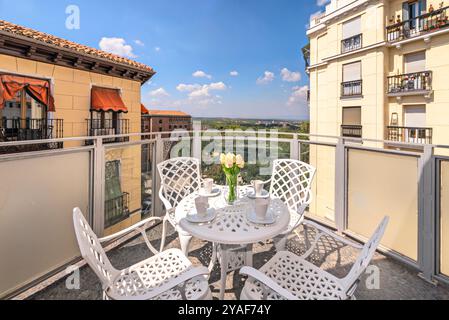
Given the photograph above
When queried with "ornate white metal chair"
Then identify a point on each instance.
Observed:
(288, 276)
(179, 178)
(167, 275)
(291, 182)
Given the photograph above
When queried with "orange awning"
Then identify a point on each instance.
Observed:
(39, 89)
(143, 110)
(105, 99)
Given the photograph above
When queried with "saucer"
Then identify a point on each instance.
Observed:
(252, 195)
(196, 218)
(215, 192)
(269, 219)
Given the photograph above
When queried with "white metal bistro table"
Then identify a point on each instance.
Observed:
(231, 234)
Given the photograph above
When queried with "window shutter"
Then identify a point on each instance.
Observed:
(352, 116)
(415, 116)
(415, 62)
(352, 28)
(352, 72)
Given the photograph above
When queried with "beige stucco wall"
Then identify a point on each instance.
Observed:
(72, 91)
(377, 62)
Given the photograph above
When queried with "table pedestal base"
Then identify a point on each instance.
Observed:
(231, 258)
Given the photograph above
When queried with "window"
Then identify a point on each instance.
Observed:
(352, 71)
(352, 120)
(415, 62)
(352, 116)
(352, 35)
(116, 201)
(412, 10)
(352, 79)
(160, 121)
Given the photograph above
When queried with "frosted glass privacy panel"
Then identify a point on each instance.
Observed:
(37, 196)
(384, 184)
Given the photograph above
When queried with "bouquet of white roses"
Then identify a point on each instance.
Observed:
(232, 165)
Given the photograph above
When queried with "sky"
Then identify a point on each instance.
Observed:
(213, 58)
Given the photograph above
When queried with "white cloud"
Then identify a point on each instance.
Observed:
(298, 95)
(187, 87)
(290, 76)
(158, 93)
(203, 94)
(201, 74)
(321, 3)
(267, 78)
(157, 49)
(139, 42)
(234, 73)
(117, 46)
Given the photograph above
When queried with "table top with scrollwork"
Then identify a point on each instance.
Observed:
(231, 225)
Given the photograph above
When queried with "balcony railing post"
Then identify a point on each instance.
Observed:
(158, 208)
(294, 148)
(97, 213)
(426, 215)
(196, 143)
(340, 185)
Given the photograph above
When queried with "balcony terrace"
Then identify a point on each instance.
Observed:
(355, 187)
(424, 24)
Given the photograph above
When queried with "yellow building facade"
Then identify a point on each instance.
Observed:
(73, 75)
(378, 70)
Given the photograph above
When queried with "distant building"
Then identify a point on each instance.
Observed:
(154, 121)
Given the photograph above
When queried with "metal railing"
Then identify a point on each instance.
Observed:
(19, 129)
(352, 43)
(410, 82)
(428, 22)
(108, 127)
(352, 131)
(116, 210)
(101, 211)
(351, 88)
(410, 134)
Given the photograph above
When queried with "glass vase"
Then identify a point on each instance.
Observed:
(232, 194)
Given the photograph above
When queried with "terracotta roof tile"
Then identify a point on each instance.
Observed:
(167, 113)
(59, 42)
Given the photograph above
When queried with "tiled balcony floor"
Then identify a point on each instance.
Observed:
(397, 281)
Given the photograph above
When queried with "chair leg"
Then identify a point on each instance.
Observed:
(280, 243)
(184, 239)
(164, 233)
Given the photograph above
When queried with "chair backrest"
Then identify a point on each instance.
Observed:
(179, 178)
(91, 250)
(366, 255)
(291, 182)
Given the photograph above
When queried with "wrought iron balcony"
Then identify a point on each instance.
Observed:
(425, 23)
(351, 131)
(410, 83)
(19, 129)
(351, 44)
(410, 134)
(116, 210)
(352, 88)
(108, 127)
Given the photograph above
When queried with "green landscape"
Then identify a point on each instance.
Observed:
(252, 169)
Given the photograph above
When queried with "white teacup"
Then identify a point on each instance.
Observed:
(258, 187)
(202, 204)
(261, 208)
(208, 185)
